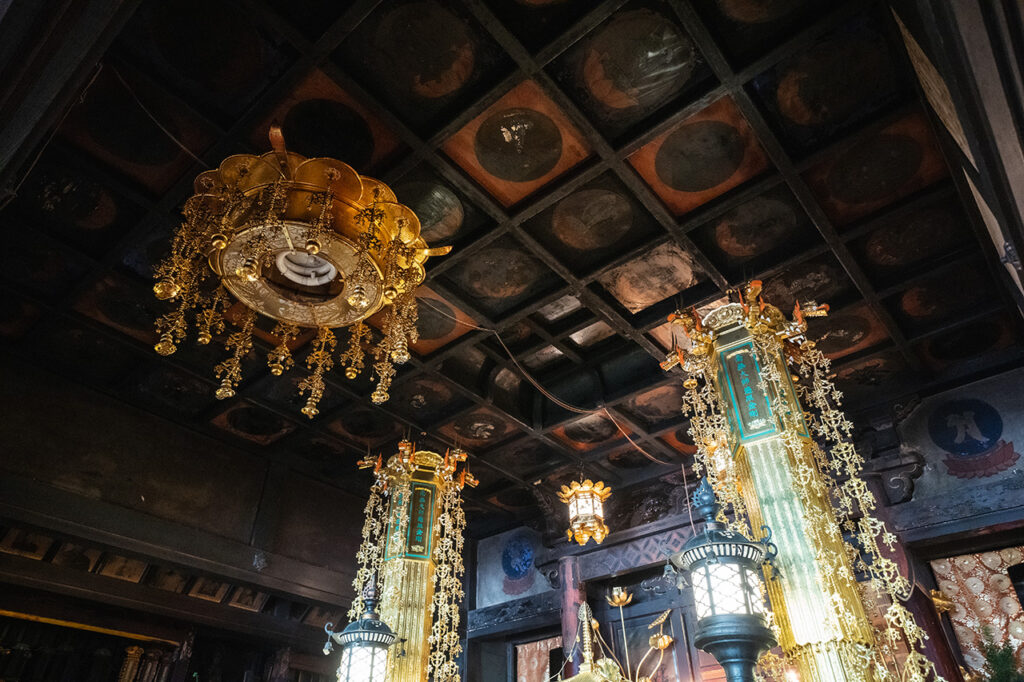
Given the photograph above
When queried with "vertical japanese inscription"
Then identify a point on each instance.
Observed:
(421, 521)
(746, 391)
(419, 533)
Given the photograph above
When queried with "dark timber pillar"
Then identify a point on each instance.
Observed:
(573, 593)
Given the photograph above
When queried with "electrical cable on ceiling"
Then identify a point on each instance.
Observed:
(564, 405)
(153, 118)
(557, 401)
(13, 193)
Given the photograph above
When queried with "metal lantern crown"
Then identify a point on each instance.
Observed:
(365, 643)
(586, 510)
(725, 571)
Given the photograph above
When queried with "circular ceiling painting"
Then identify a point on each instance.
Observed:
(869, 372)
(224, 51)
(71, 201)
(966, 342)
(758, 11)
(255, 421)
(662, 272)
(592, 429)
(434, 55)
(842, 331)
(518, 145)
(640, 59)
(436, 319)
(479, 426)
(700, 155)
(368, 424)
(439, 210)
(875, 168)
(659, 404)
(814, 281)
(324, 127)
(924, 234)
(628, 459)
(756, 227)
(935, 298)
(528, 456)
(831, 81)
(130, 135)
(424, 394)
(500, 273)
(592, 219)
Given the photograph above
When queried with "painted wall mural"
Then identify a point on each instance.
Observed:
(971, 439)
(505, 567)
(983, 597)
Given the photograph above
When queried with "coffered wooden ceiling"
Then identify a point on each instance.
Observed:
(595, 166)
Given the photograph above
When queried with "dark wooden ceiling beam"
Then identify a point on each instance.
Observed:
(34, 504)
(38, 575)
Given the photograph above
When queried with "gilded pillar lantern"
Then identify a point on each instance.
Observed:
(755, 444)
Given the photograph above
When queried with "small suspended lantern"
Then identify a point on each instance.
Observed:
(725, 570)
(586, 510)
(365, 643)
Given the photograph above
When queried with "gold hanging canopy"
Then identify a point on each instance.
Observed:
(308, 243)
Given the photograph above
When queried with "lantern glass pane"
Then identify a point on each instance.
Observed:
(574, 508)
(363, 663)
(728, 588)
(586, 505)
(754, 589)
(701, 595)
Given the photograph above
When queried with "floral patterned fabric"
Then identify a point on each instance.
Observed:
(532, 659)
(984, 596)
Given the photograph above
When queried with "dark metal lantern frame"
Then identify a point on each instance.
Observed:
(725, 571)
(365, 643)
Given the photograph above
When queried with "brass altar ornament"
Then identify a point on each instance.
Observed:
(308, 243)
(943, 604)
(586, 510)
(599, 661)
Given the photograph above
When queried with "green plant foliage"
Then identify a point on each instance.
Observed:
(1000, 660)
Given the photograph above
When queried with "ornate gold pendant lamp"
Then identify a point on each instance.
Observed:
(308, 243)
(755, 446)
(585, 500)
(412, 547)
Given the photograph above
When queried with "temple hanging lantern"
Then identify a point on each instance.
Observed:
(308, 243)
(749, 367)
(728, 591)
(412, 552)
(585, 500)
(365, 643)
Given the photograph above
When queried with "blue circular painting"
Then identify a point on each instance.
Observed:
(965, 427)
(517, 557)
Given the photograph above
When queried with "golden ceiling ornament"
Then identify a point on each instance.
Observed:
(308, 243)
(775, 444)
(412, 554)
(586, 510)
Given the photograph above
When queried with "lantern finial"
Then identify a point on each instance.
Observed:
(705, 502)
